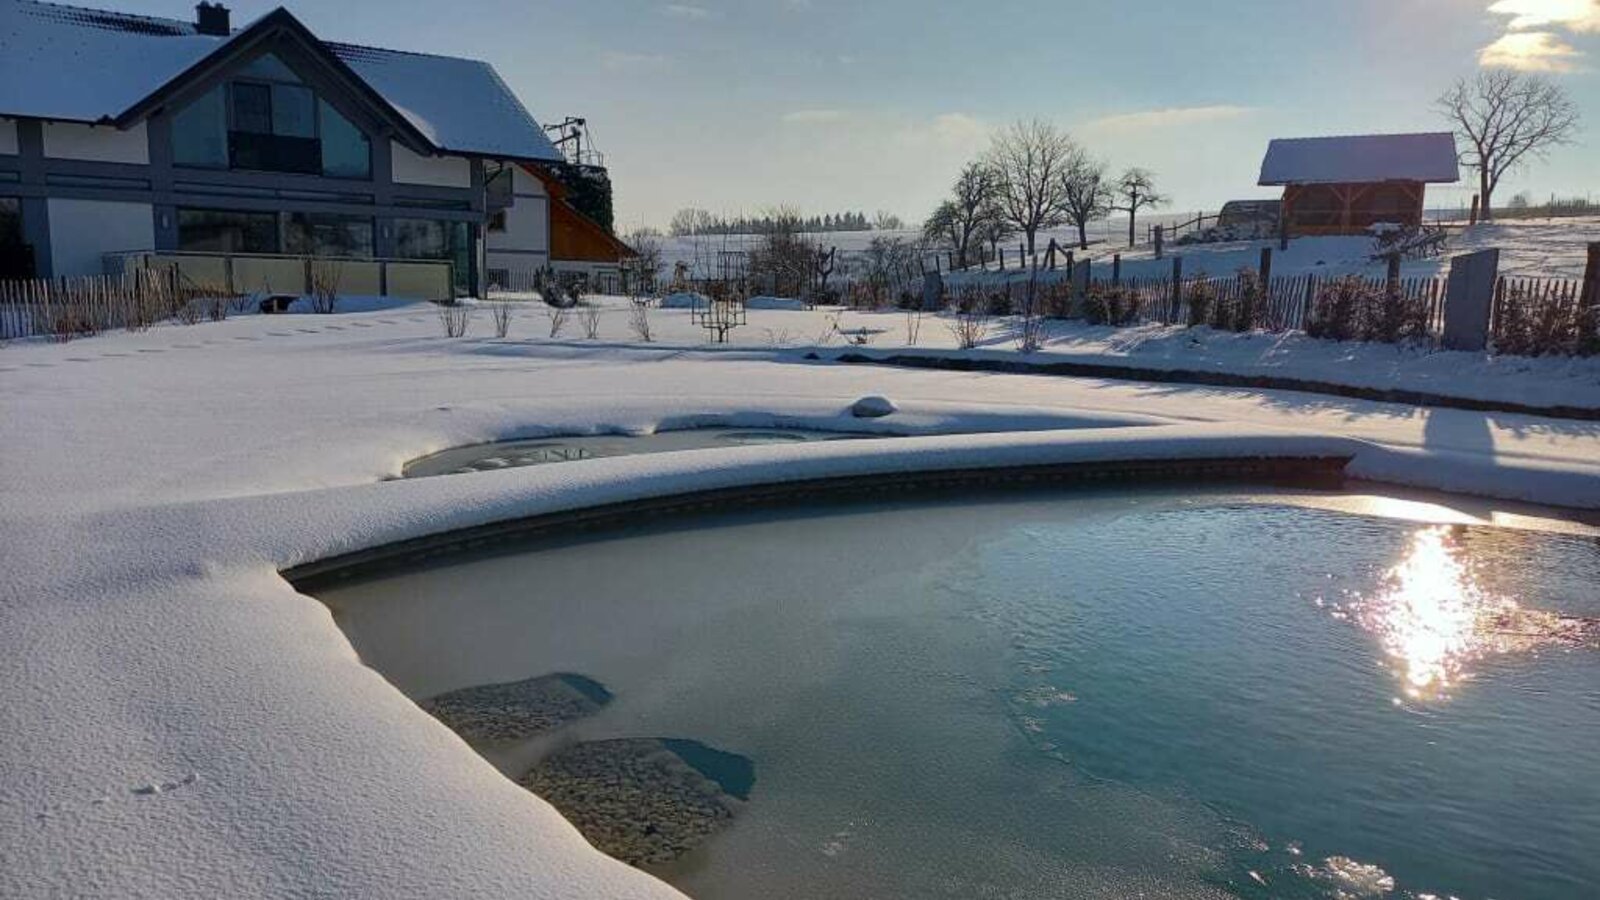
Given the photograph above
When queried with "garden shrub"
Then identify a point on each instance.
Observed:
(1202, 298)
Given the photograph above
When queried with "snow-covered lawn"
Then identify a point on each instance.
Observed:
(1538, 248)
(178, 721)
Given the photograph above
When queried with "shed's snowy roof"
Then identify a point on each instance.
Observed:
(1429, 157)
(89, 65)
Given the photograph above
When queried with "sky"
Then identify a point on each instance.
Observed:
(829, 105)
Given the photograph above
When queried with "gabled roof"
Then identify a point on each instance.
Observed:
(86, 65)
(1428, 157)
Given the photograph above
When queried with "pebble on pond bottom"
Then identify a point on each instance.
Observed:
(516, 710)
(634, 798)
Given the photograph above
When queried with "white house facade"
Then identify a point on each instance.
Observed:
(122, 133)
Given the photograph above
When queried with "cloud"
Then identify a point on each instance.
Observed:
(813, 116)
(619, 61)
(958, 128)
(1149, 120)
(686, 11)
(1531, 51)
(1580, 16)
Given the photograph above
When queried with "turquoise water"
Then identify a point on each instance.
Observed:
(1081, 695)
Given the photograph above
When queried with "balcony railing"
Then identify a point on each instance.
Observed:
(279, 274)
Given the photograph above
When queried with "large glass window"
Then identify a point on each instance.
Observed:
(421, 239)
(200, 132)
(252, 107)
(320, 234)
(10, 220)
(269, 121)
(346, 152)
(227, 231)
(16, 258)
(294, 110)
(437, 239)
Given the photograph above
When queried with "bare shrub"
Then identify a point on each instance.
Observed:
(500, 312)
(325, 278)
(639, 320)
(558, 319)
(456, 318)
(913, 326)
(1030, 330)
(589, 318)
(969, 320)
(830, 330)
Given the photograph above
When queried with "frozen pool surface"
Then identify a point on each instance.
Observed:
(541, 451)
(1080, 694)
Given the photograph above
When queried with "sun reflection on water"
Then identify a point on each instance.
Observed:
(1433, 618)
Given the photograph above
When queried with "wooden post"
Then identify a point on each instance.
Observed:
(1159, 234)
(1473, 218)
(1116, 268)
(1177, 288)
(1002, 258)
(1264, 270)
(1590, 293)
(1392, 278)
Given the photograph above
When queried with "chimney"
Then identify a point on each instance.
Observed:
(211, 18)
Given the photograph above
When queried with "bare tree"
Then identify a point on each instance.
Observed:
(1088, 194)
(1506, 118)
(645, 265)
(1136, 190)
(1029, 161)
(690, 221)
(958, 222)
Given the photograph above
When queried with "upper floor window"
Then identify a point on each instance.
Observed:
(267, 120)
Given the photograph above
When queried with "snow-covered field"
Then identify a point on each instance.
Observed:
(1535, 248)
(178, 721)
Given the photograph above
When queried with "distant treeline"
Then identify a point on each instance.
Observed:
(699, 221)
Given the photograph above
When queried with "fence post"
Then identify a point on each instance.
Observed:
(1177, 287)
(1159, 235)
(1589, 293)
(1116, 269)
(1473, 218)
(1469, 295)
(1002, 251)
(1079, 273)
(1283, 227)
(1265, 272)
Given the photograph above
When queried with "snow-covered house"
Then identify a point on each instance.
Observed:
(122, 133)
(1346, 184)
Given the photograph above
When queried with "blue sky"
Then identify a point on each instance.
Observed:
(834, 104)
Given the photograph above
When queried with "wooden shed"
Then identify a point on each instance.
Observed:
(1347, 184)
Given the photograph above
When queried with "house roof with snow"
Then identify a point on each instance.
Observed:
(1427, 157)
(69, 63)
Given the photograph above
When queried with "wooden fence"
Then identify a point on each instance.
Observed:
(134, 300)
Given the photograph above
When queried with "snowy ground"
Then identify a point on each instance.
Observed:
(180, 722)
(1535, 248)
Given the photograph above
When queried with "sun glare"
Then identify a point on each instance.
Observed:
(1433, 619)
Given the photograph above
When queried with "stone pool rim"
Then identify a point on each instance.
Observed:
(1324, 470)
